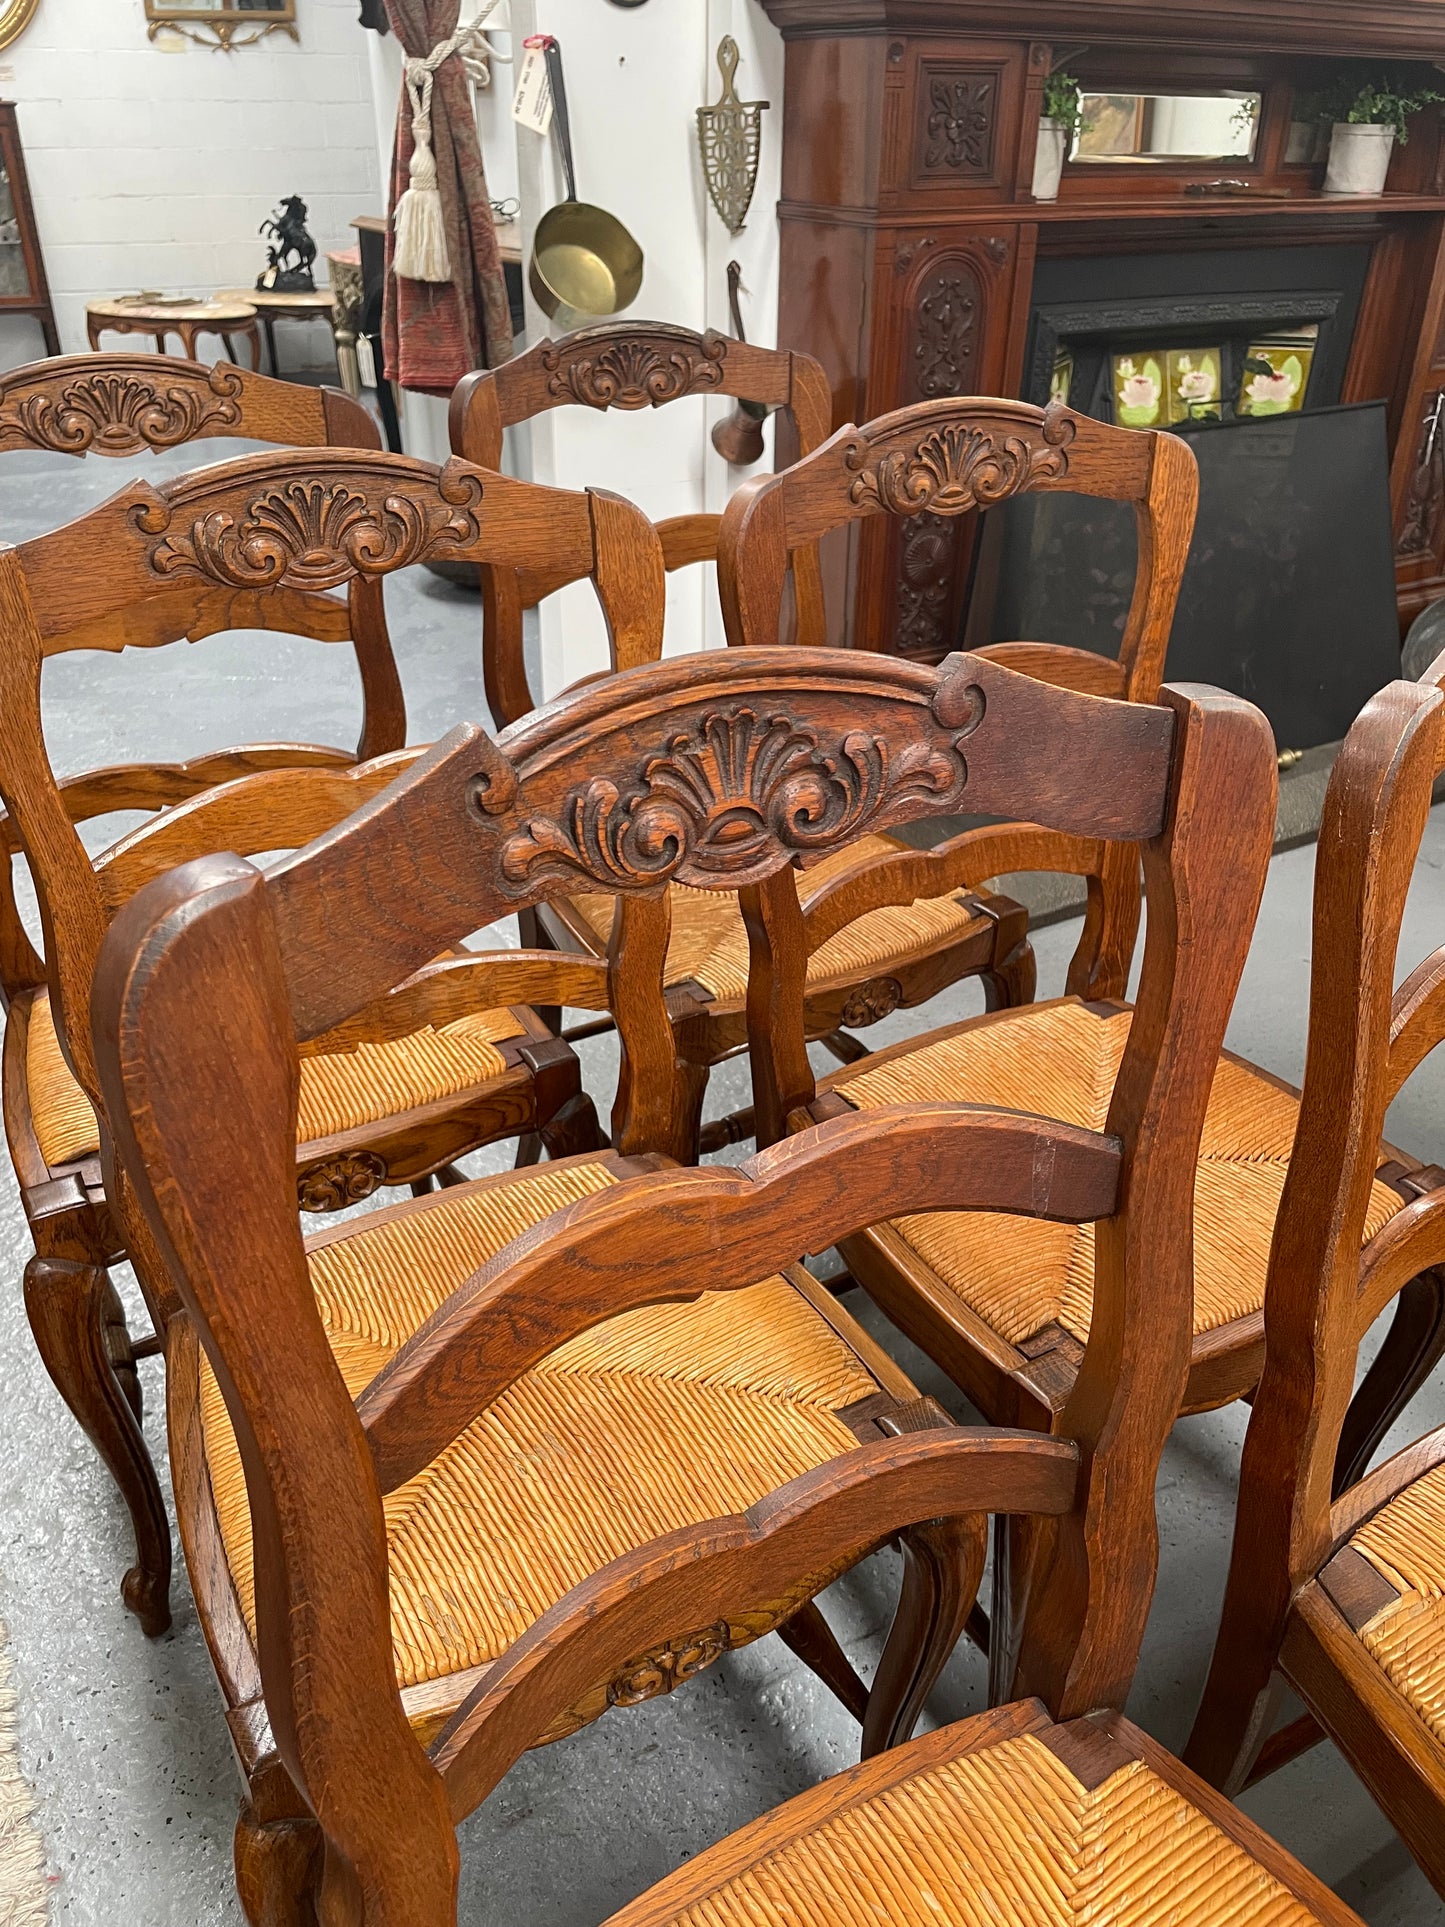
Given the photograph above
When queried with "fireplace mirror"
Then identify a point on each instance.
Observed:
(1147, 129)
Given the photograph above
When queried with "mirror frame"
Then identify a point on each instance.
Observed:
(225, 26)
(15, 17)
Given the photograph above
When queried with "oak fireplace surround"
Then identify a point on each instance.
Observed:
(910, 240)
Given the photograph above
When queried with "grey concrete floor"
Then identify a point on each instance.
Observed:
(123, 1739)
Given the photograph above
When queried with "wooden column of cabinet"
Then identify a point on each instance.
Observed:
(909, 233)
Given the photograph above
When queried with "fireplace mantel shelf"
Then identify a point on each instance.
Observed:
(1226, 207)
(1399, 29)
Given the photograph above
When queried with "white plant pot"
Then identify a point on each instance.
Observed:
(1359, 159)
(1049, 159)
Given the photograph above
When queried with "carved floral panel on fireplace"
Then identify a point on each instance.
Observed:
(950, 348)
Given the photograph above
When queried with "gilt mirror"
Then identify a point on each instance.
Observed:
(15, 17)
(220, 23)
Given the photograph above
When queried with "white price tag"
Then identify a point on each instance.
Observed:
(532, 102)
(365, 361)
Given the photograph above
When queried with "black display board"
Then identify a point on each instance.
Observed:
(1289, 596)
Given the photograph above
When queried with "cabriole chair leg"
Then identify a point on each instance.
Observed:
(78, 1323)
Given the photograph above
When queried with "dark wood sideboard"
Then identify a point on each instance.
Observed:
(910, 239)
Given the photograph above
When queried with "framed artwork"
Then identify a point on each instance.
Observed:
(1276, 374)
(1138, 383)
(1062, 380)
(1193, 382)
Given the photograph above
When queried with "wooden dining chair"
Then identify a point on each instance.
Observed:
(456, 1479)
(1337, 1575)
(1006, 1306)
(627, 365)
(254, 543)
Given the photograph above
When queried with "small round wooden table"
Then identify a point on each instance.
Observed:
(316, 304)
(187, 319)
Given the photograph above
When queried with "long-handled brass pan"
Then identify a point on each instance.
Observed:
(583, 258)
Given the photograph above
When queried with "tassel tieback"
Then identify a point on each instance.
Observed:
(420, 251)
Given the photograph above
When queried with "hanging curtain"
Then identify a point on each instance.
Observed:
(434, 332)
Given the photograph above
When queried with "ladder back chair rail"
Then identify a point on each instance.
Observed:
(768, 756)
(628, 365)
(1300, 1594)
(949, 457)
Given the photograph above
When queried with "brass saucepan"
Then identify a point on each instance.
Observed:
(583, 258)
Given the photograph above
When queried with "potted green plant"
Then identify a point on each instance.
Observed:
(1062, 120)
(1368, 110)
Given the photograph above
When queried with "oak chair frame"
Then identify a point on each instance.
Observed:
(626, 365)
(250, 543)
(343, 1803)
(946, 458)
(1297, 1590)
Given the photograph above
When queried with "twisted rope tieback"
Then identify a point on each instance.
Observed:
(421, 243)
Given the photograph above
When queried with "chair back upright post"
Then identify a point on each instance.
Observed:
(629, 365)
(1310, 1437)
(949, 457)
(715, 771)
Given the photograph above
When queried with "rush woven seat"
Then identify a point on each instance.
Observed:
(340, 1090)
(1060, 1826)
(709, 944)
(659, 1419)
(1405, 1543)
(1021, 1274)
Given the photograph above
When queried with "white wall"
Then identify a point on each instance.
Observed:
(154, 169)
(635, 79)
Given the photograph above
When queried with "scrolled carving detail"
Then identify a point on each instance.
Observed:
(641, 372)
(870, 1003)
(120, 413)
(311, 533)
(731, 798)
(959, 466)
(652, 1674)
(337, 1182)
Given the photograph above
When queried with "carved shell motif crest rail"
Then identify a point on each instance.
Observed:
(962, 466)
(737, 794)
(119, 413)
(312, 534)
(642, 371)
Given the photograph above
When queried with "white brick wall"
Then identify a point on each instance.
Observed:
(155, 169)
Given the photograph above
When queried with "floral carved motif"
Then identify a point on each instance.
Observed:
(641, 372)
(870, 1003)
(731, 798)
(312, 534)
(120, 413)
(925, 584)
(338, 1182)
(653, 1674)
(960, 466)
(945, 331)
(958, 133)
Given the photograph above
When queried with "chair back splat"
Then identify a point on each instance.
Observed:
(253, 543)
(631, 365)
(122, 404)
(947, 458)
(717, 771)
